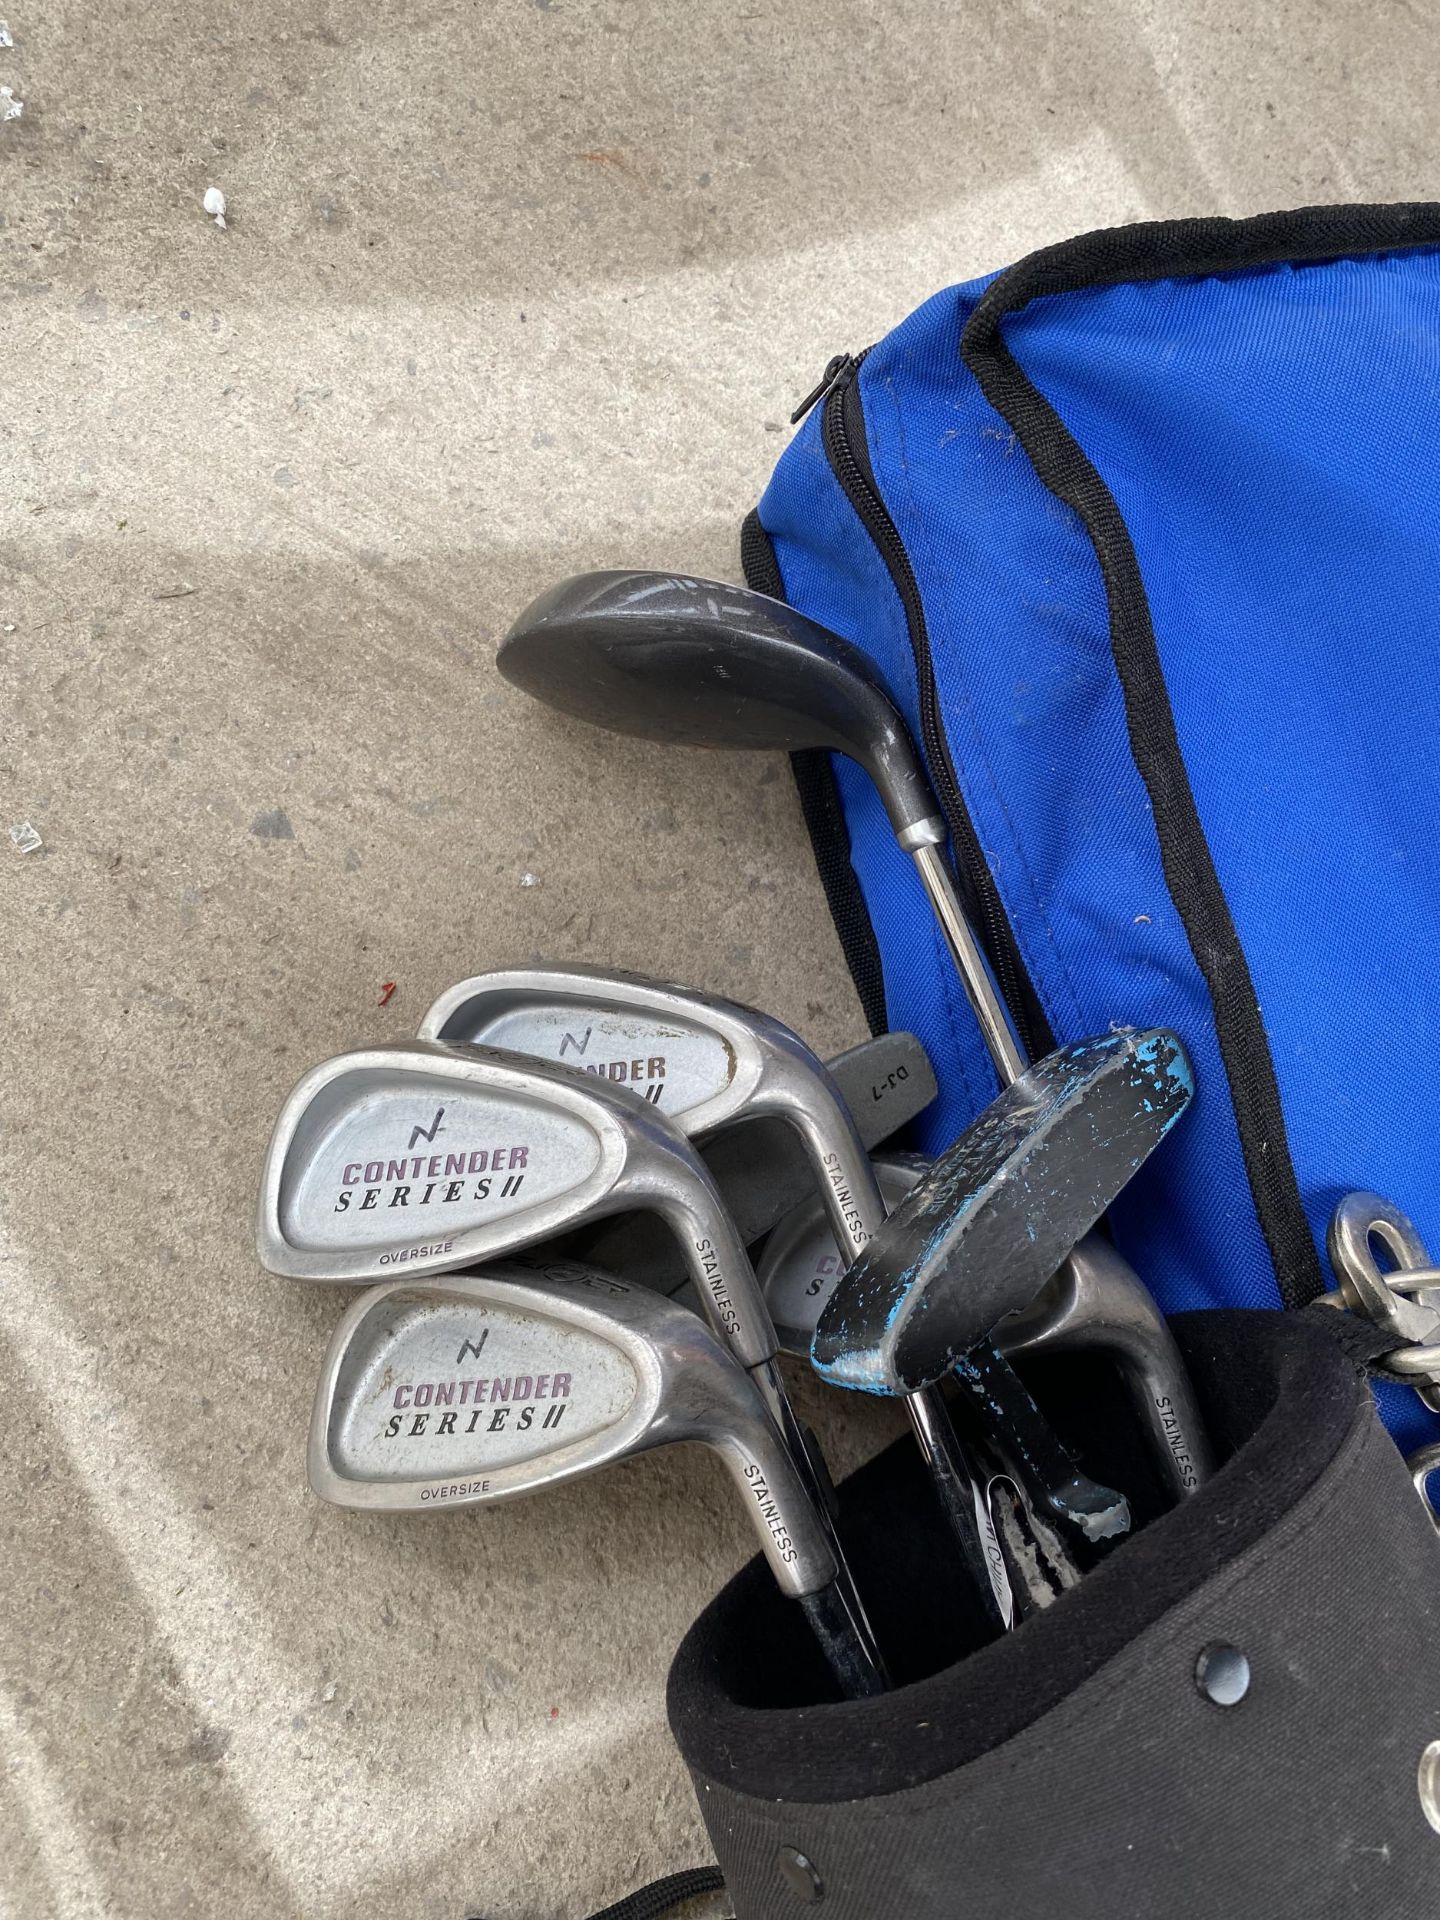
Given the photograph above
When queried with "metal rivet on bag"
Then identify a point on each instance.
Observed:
(1222, 1673)
(800, 1875)
(1429, 1784)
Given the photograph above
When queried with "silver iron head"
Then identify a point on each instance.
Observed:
(703, 1060)
(424, 1156)
(420, 1157)
(467, 1388)
(688, 1053)
(698, 1057)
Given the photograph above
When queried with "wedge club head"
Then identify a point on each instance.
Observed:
(423, 1157)
(705, 1061)
(458, 1390)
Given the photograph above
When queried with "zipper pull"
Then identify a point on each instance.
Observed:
(841, 363)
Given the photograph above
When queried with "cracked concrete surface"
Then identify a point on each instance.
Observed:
(506, 290)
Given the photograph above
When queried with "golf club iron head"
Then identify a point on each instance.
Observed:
(467, 1389)
(462, 1389)
(762, 1169)
(423, 1157)
(698, 1057)
(985, 1229)
(459, 1389)
(705, 1061)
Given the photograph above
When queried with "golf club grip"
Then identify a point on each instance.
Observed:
(833, 1625)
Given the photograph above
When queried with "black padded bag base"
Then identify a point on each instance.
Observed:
(1074, 1770)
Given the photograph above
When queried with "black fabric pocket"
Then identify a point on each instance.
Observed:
(1078, 1767)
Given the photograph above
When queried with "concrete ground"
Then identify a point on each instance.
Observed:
(507, 290)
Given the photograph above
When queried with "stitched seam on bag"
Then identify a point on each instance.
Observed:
(959, 1015)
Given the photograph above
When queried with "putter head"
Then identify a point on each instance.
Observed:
(703, 1060)
(801, 1263)
(983, 1231)
(697, 663)
(423, 1157)
(466, 1388)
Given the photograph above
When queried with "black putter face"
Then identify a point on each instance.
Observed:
(701, 664)
(997, 1213)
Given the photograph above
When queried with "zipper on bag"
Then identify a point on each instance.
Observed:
(842, 432)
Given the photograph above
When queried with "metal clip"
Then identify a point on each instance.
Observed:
(1404, 1301)
(1422, 1463)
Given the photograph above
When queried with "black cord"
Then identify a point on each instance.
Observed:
(661, 1896)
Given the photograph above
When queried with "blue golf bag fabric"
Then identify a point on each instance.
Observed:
(1144, 534)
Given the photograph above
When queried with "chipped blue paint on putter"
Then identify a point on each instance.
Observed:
(996, 1214)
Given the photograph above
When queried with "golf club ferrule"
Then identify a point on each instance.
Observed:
(929, 832)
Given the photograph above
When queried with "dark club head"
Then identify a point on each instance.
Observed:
(983, 1231)
(697, 663)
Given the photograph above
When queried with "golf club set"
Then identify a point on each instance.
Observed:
(1063, 602)
(497, 1358)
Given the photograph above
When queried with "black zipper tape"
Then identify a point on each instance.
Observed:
(819, 793)
(842, 428)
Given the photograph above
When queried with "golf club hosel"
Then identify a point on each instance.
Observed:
(845, 1179)
(720, 1268)
(782, 1512)
(929, 832)
(1098, 1303)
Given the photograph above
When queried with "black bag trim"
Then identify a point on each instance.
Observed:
(845, 438)
(1151, 251)
(1313, 1395)
(824, 816)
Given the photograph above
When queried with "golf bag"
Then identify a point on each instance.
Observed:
(1143, 535)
